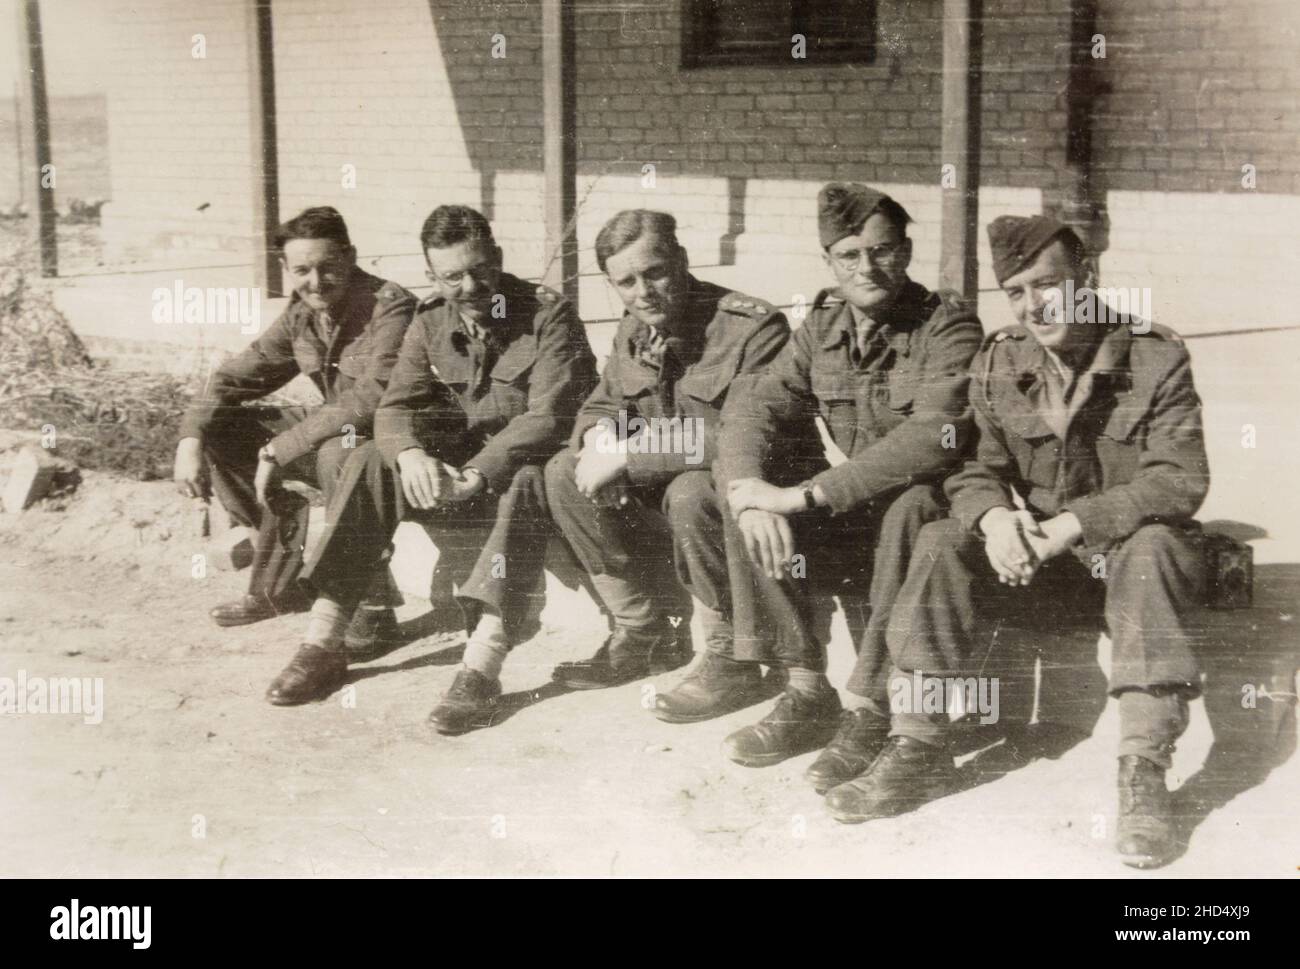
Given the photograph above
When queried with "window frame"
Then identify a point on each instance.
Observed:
(697, 54)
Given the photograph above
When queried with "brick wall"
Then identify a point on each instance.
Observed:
(407, 92)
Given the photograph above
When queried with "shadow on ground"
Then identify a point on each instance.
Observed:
(1249, 658)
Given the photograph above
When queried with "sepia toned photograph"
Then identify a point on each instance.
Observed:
(623, 439)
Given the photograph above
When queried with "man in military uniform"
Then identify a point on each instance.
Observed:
(342, 328)
(634, 494)
(485, 390)
(1090, 418)
(883, 361)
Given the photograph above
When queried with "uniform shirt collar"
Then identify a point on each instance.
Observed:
(893, 326)
(1109, 362)
(499, 332)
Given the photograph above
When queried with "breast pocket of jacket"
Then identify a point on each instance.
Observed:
(309, 358)
(840, 395)
(903, 387)
(509, 385)
(704, 390)
(1119, 444)
(352, 365)
(1036, 449)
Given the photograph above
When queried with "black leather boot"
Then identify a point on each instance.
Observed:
(906, 774)
(1145, 837)
(312, 674)
(860, 737)
(797, 724)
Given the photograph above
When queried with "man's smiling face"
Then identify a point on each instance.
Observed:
(469, 273)
(1037, 295)
(318, 270)
(652, 280)
(870, 267)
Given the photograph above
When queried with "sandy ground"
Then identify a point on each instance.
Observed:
(191, 772)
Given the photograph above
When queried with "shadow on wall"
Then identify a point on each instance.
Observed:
(788, 121)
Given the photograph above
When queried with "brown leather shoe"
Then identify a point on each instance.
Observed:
(906, 774)
(312, 674)
(718, 685)
(797, 724)
(1146, 837)
(860, 737)
(249, 609)
(470, 702)
(371, 633)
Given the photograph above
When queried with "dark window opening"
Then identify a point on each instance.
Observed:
(763, 32)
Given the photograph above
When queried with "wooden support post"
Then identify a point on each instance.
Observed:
(1083, 202)
(962, 41)
(559, 147)
(32, 56)
(262, 148)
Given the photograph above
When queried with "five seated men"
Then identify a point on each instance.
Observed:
(720, 459)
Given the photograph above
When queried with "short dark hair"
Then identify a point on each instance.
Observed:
(629, 226)
(321, 222)
(448, 225)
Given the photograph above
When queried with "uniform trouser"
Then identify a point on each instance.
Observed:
(231, 445)
(493, 546)
(866, 549)
(1146, 587)
(646, 550)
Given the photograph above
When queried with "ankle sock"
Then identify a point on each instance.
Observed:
(488, 646)
(854, 702)
(807, 682)
(326, 625)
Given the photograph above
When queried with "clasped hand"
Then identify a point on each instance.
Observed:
(428, 482)
(1017, 545)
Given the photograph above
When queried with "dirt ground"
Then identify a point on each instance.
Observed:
(192, 772)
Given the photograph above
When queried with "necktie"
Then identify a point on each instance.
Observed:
(1059, 388)
(652, 347)
(862, 343)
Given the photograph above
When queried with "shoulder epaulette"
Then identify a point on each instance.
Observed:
(1160, 332)
(746, 305)
(997, 336)
(389, 292)
(547, 296)
(827, 297)
(991, 340)
(953, 301)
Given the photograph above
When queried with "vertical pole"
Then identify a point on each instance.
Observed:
(1082, 205)
(262, 144)
(559, 146)
(962, 42)
(32, 56)
(20, 145)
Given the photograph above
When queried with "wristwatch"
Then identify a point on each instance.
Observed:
(809, 499)
(267, 454)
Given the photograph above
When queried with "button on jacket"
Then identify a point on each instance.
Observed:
(507, 400)
(898, 411)
(1133, 452)
(349, 364)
